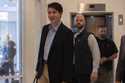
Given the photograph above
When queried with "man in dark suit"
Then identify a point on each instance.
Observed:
(120, 72)
(56, 49)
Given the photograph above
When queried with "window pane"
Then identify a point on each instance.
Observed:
(10, 44)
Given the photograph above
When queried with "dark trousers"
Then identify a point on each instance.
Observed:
(81, 79)
(8, 66)
(105, 76)
(123, 81)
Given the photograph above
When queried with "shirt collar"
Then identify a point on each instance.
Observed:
(79, 32)
(55, 28)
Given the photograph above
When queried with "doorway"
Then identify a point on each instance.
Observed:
(95, 19)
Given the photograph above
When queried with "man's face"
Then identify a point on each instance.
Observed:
(80, 21)
(102, 32)
(53, 15)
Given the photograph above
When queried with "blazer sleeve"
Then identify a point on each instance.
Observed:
(39, 60)
(120, 67)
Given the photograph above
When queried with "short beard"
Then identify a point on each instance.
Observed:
(80, 27)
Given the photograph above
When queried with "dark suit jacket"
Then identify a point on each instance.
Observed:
(120, 72)
(60, 56)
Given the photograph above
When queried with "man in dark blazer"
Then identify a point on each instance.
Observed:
(120, 72)
(56, 49)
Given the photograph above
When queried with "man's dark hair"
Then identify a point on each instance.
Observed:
(56, 6)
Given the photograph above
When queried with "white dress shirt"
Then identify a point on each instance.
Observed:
(49, 40)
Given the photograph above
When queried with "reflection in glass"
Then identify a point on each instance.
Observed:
(10, 50)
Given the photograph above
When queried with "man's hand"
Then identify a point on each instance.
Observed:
(37, 75)
(103, 59)
(114, 56)
(94, 76)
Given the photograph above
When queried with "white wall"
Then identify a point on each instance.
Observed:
(34, 17)
(31, 34)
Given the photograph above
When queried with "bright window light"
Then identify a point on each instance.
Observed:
(3, 16)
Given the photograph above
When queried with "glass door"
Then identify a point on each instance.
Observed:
(10, 42)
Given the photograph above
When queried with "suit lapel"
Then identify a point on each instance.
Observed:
(44, 36)
(57, 37)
